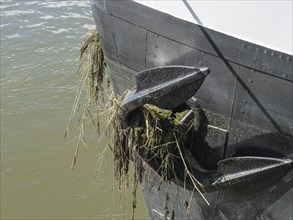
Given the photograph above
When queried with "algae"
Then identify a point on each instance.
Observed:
(157, 135)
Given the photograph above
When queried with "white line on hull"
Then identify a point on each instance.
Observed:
(266, 23)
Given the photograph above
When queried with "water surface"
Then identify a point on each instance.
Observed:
(40, 43)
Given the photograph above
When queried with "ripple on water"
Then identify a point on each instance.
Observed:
(40, 43)
(47, 17)
(36, 25)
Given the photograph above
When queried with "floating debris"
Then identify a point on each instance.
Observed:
(156, 135)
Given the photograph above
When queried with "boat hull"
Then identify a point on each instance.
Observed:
(247, 101)
(168, 200)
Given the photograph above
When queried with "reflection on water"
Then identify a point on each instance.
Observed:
(39, 50)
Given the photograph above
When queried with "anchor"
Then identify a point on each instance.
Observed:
(171, 86)
(165, 87)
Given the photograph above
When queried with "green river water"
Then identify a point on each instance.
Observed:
(40, 43)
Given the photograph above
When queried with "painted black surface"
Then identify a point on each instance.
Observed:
(203, 39)
(237, 201)
(246, 103)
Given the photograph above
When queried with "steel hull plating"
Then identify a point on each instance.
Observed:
(247, 101)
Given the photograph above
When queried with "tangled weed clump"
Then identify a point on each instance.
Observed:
(156, 135)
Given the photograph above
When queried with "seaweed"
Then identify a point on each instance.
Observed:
(91, 71)
(157, 135)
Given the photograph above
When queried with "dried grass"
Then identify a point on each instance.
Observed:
(91, 71)
(156, 134)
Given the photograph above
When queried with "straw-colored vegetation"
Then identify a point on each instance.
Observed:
(91, 77)
(155, 134)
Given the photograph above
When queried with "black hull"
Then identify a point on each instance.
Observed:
(247, 101)
(169, 200)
